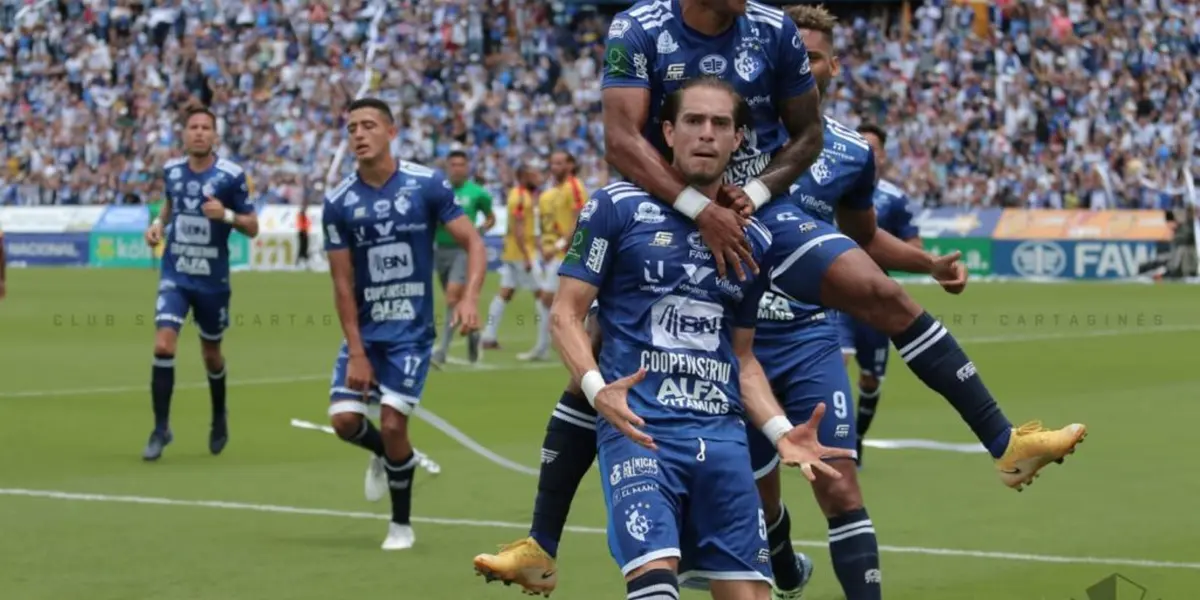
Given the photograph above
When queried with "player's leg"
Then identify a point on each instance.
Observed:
(853, 547)
(568, 450)
(455, 289)
(872, 352)
(725, 529)
(349, 417)
(211, 313)
(443, 264)
(170, 311)
(509, 271)
(547, 288)
(854, 284)
(401, 373)
(302, 249)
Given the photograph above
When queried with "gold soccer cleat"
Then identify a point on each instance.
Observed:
(1032, 447)
(524, 563)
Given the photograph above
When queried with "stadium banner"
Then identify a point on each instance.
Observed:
(976, 252)
(123, 218)
(281, 218)
(957, 222)
(277, 251)
(1071, 259)
(46, 249)
(128, 249)
(49, 219)
(1135, 225)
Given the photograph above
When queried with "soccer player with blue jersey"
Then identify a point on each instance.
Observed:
(678, 349)
(652, 49)
(893, 211)
(207, 198)
(379, 231)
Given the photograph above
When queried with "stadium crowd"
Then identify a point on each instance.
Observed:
(1063, 103)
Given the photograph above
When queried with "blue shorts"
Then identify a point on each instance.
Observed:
(812, 372)
(692, 499)
(846, 330)
(210, 310)
(399, 370)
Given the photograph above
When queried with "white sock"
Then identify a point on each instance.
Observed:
(495, 314)
(543, 324)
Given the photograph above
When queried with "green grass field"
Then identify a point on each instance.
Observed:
(281, 516)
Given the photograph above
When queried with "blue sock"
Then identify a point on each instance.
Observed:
(936, 359)
(855, 554)
(400, 477)
(162, 384)
(567, 453)
(783, 556)
(216, 390)
(659, 584)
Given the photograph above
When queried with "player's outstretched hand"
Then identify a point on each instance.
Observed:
(721, 229)
(735, 198)
(950, 272)
(611, 403)
(213, 209)
(800, 448)
(154, 234)
(359, 374)
(466, 317)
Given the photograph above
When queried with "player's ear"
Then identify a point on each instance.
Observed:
(835, 67)
(739, 134)
(669, 133)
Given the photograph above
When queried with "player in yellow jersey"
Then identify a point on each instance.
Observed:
(558, 207)
(520, 261)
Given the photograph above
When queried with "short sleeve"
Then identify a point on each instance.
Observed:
(902, 223)
(861, 194)
(746, 315)
(336, 232)
(597, 233)
(627, 55)
(239, 196)
(440, 195)
(794, 76)
(483, 201)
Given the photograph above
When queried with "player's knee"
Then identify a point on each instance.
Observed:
(393, 427)
(839, 496)
(889, 306)
(346, 425)
(164, 345)
(506, 294)
(654, 572)
(868, 383)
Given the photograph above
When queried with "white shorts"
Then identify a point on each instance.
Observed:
(550, 276)
(513, 276)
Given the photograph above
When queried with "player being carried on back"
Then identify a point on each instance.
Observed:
(206, 198)
(379, 227)
(678, 349)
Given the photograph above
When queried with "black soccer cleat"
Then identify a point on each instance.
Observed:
(218, 436)
(473, 347)
(158, 441)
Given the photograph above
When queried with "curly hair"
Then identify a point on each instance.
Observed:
(814, 18)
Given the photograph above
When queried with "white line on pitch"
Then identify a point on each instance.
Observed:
(537, 366)
(321, 512)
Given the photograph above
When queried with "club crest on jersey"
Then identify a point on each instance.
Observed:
(648, 212)
(666, 43)
(381, 207)
(208, 189)
(193, 188)
(589, 209)
(618, 27)
(176, 173)
(820, 170)
(747, 65)
(713, 64)
(403, 203)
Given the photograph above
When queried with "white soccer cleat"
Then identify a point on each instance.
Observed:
(532, 355)
(400, 537)
(375, 485)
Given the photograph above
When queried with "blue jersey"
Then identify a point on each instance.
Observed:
(893, 210)
(389, 232)
(650, 47)
(196, 255)
(663, 308)
(843, 175)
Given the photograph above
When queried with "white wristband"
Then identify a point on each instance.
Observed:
(776, 428)
(158, 221)
(758, 192)
(592, 382)
(229, 216)
(690, 202)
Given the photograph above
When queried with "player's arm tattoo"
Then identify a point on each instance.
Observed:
(567, 329)
(626, 110)
(760, 403)
(341, 269)
(463, 231)
(801, 116)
